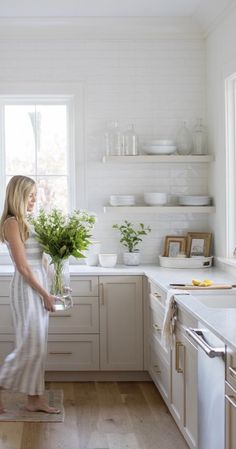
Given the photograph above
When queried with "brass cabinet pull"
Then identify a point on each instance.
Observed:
(157, 295)
(61, 353)
(178, 345)
(157, 369)
(231, 399)
(232, 372)
(156, 327)
(61, 315)
(101, 286)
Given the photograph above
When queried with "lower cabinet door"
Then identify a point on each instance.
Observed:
(121, 323)
(73, 353)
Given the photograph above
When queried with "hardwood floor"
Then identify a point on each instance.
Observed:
(101, 415)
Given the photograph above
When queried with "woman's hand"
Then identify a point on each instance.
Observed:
(49, 301)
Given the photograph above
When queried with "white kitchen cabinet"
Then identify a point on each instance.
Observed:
(121, 323)
(184, 385)
(73, 340)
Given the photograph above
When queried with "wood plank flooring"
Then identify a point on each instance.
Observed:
(101, 415)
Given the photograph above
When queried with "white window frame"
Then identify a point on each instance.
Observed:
(74, 94)
(230, 138)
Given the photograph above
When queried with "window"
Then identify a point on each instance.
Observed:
(230, 96)
(36, 142)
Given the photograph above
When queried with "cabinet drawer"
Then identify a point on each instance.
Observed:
(73, 353)
(157, 292)
(156, 317)
(159, 370)
(231, 367)
(5, 286)
(84, 286)
(82, 318)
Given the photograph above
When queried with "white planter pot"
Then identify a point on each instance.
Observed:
(132, 258)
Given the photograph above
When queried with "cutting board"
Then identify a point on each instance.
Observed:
(198, 287)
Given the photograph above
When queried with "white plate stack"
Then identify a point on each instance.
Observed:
(194, 200)
(160, 146)
(122, 200)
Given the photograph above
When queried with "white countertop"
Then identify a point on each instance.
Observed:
(221, 321)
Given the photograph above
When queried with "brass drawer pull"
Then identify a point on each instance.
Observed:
(61, 315)
(60, 353)
(157, 328)
(101, 287)
(178, 345)
(232, 372)
(231, 399)
(157, 295)
(157, 369)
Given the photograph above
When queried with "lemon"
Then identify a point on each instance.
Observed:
(196, 282)
(206, 283)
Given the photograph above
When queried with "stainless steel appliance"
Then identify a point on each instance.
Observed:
(211, 379)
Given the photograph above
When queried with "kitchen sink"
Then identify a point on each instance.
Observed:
(221, 301)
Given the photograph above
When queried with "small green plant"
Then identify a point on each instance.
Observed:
(131, 237)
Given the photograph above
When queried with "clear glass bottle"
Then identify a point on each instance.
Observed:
(184, 140)
(108, 138)
(113, 139)
(199, 138)
(130, 141)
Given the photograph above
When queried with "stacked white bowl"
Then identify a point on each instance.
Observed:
(155, 198)
(160, 146)
(122, 200)
(194, 200)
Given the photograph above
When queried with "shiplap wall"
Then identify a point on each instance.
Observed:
(151, 82)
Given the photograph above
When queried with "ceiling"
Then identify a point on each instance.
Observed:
(204, 11)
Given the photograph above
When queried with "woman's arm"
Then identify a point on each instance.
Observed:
(12, 234)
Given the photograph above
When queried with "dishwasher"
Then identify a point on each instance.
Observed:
(211, 388)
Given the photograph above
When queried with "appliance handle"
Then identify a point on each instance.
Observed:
(198, 336)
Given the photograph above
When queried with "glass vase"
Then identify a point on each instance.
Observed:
(59, 280)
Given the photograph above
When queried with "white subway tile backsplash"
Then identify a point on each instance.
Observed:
(151, 83)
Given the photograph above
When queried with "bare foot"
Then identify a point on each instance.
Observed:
(41, 406)
(2, 410)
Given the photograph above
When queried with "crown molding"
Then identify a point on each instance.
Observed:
(105, 28)
(211, 20)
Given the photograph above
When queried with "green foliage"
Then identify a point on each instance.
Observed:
(62, 235)
(130, 237)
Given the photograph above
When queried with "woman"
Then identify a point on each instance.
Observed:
(23, 369)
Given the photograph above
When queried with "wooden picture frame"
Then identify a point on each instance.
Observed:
(175, 244)
(199, 244)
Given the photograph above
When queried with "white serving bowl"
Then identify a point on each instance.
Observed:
(155, 198)
(159, 149)
(107, 260)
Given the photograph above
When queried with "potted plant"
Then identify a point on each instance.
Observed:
(130, 238)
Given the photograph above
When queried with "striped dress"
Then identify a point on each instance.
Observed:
(23, 369)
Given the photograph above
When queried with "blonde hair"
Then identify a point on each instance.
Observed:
(16, 199)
